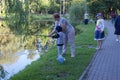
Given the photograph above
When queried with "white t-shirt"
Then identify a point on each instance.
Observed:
(100, 24)
(61, 38)
(86, 16)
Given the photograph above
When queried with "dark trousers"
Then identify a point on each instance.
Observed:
(86, 21)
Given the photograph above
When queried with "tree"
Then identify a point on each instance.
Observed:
(18, 21)
(76, 12)
(54, 7)
(45, 5)
(104, 6)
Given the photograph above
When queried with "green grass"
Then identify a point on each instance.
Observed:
(47, 68)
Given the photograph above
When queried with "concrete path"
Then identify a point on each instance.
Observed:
(105, 64)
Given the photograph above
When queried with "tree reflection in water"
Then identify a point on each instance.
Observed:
(18, 51)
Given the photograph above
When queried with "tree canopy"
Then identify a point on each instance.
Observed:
(104, 6)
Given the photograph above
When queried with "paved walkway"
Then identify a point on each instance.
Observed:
(105, 64)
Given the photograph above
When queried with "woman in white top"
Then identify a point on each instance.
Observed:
(99, 30)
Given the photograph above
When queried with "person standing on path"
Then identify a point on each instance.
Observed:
(69, 31)
(99, 30)
(86, 18)
(117, 28)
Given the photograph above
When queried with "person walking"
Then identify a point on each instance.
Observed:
(69, 31)
(99, 31)
(117, 28)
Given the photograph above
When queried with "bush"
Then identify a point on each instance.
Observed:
(76, 12)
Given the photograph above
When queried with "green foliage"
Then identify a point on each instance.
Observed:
(104, 6)
(96, 6)
(53, 8)
(2, 8)
(76, 12)
(19, 19)
(57, 1)
(35, 6)
(42, 6)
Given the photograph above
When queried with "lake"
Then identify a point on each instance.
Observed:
(18, 51)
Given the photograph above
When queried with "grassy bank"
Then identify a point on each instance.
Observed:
(47, 68)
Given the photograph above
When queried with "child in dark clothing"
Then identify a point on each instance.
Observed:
(60, 39)
(60, 36)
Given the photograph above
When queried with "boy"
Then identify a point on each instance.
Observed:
(60, 39)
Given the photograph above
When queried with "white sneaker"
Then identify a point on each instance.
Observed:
(117, 40)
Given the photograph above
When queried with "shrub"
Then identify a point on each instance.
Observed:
(76, 12)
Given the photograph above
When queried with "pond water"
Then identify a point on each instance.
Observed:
(14, 57)
(21, 60)
(18, 51)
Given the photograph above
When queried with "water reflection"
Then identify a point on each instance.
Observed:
(18, 51)
(22, 61)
